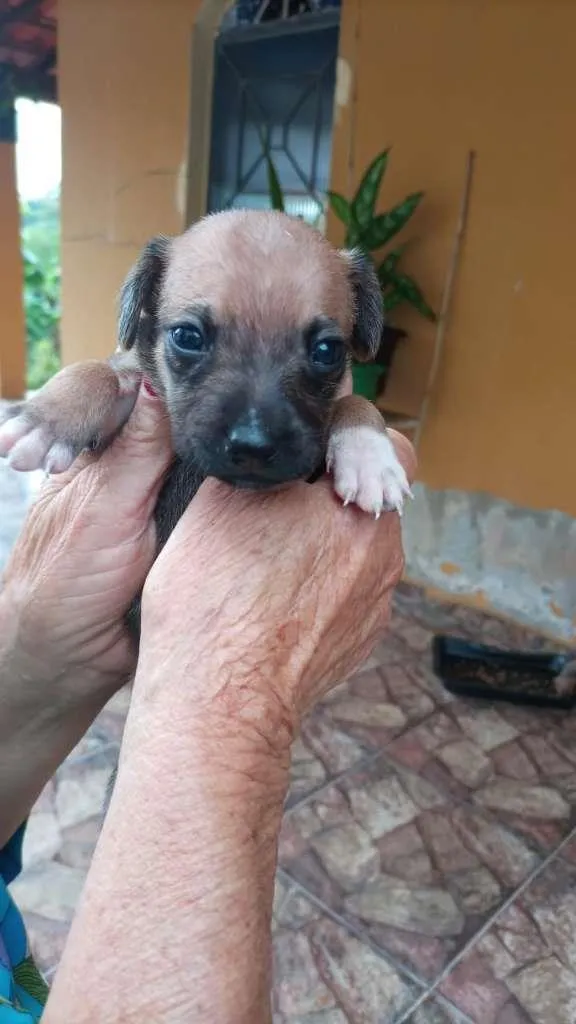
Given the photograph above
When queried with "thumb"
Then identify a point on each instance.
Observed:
(137, 460)
(405, 452)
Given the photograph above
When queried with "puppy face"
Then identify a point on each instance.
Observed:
(245, 324)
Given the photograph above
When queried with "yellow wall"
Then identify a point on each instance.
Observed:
(12, 345)
(435, 78)
(124, 69)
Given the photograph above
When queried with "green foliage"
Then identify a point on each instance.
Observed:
(382, 229)
(40, 239)
(364, 203)
(341, 208)
(403, 288)
(274, 187)
(370, 231)
(43, 363)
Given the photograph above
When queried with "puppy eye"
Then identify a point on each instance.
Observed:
(189, 339)
(326, 353)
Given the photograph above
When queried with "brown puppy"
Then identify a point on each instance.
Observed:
(245, 326)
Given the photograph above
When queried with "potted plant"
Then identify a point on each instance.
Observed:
(372, 232)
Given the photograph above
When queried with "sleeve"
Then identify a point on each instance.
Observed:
(23, 991)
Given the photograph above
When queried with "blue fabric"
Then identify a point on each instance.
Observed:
(23, 992)
(11, 856)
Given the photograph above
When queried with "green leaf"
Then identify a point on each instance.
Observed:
(392, 299)
(274, 186)
(354, 238)
(410, 292)
(364, 201)
(383, 227)
(388, 266)
(340, 207)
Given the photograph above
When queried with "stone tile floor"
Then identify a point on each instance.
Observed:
(427, 869)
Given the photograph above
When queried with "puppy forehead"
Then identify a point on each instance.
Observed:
(265, 270)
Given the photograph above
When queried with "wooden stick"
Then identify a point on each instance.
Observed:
(448, 293)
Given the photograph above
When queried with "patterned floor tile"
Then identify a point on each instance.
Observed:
(60, 839)
(307, 771)
(436, 1011)
(361, 716)
(108, 727)
(389, 851)
(80, 787)
(325, 975)
(568, 851)
(17, 491)
(523, 970)
(47, 894)
(377, 705)
(78, 843)
(47, 939)
(421, 608)
(50, 890)
(518, 763)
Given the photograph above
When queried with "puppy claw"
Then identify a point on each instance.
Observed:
(366, 470)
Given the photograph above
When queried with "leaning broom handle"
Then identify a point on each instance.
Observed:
(447, 295)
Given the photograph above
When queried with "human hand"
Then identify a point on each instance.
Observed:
(267, 599)
(83, 555)
(256, 606)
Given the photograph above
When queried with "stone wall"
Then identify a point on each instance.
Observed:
(517, 562)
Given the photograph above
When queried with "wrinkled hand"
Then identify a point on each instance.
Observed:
(84, 552)
(255, 595)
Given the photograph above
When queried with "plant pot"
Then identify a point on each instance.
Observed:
(389, 340)
(489, 673)
(367, 379)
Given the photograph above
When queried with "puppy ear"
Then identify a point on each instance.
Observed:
(368, 304)
(141, 289)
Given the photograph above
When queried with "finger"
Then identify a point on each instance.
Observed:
(405, 452)
(137, 460)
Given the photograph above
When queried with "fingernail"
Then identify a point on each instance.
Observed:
(148, 388)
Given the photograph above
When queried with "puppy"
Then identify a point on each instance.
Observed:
(245, 326)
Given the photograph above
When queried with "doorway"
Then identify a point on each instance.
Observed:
(273, 90)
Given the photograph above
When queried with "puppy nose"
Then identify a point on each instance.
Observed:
(249, 443)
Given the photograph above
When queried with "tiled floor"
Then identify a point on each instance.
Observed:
(427, 861)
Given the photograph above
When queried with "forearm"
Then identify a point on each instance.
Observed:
(175, 919)
(44, 712)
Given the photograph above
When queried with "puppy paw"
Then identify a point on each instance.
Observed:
(366, 470)
(30, 443)
(82, 407)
